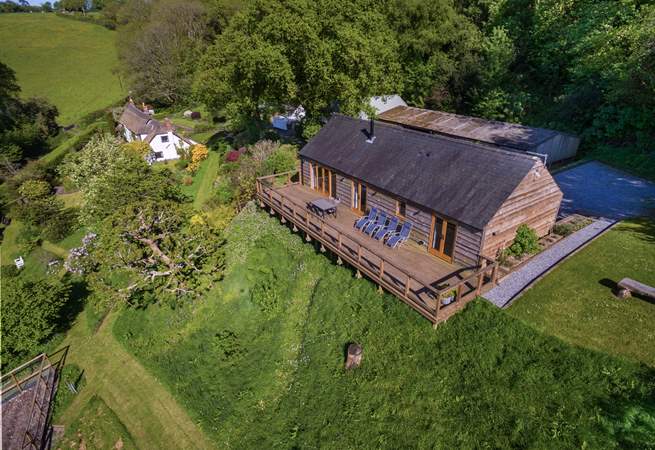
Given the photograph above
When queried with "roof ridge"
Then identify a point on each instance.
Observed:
(483, 146)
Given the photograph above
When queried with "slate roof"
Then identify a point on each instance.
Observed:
(139, 122)
(505, 134)
(462, 180)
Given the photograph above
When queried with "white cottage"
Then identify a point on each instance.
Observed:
(163, 138)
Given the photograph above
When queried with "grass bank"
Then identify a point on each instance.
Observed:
(575, 301)
(259, 363)
(70, 63)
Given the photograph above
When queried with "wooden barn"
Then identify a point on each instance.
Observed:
(553, 146)
(464, 201)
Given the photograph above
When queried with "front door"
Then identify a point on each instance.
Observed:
(359, 197)
(442, 238)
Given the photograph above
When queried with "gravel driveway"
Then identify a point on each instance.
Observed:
(595, 189)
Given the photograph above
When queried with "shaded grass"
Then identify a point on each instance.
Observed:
(97, 427)
(68, 62)
(575, 302)
(259, 364)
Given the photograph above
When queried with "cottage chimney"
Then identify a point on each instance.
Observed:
(371, 132)
(168, 124)
(131, 100)
(143, 107)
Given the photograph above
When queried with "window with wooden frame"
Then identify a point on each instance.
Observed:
(401, 208)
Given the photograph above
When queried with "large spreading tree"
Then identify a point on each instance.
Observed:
(324, 55)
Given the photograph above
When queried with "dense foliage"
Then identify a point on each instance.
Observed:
(31, 313)
(148, 246)
(25, 125)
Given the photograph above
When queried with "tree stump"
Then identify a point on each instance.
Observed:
(623, 293)
(354, 357)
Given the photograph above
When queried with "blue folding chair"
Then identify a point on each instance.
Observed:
(398, 238)
(380, 221)
(362, 222)
(387, 229)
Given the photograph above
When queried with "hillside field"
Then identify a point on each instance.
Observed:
(70, 63)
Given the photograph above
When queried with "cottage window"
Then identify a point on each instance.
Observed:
(158, 155)
(164, 139)
(401, 208)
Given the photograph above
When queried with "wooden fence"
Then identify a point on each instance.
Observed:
(420, 295)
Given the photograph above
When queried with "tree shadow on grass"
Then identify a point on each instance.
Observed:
(645, 228)
(75, 304)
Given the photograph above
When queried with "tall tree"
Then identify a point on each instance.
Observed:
(318, 54)
(159, 45)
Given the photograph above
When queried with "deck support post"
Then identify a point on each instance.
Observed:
(283, 220)
(261, 203)
(272, 211)
(307, 237)
(358, 274)
(409, 279)
(339, 262)
(494, 274)
(480, 280)
(322, 248)
(380, 291)
(295, 228)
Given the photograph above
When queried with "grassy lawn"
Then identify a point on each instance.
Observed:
(201, 188)
(258, 363)
(10, 248)
(97, 427)
(66, 61)
(151, 416)
(575, 302)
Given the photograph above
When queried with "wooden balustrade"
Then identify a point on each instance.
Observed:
(402, 284)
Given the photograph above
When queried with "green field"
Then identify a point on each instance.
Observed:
(575, 301)
(258, 363)
(70, 63)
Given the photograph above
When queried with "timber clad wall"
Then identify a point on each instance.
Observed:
(534, 202)
(467, 240)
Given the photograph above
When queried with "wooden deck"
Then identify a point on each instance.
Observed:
(433, 287)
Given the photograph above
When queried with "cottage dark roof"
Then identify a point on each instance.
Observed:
(490, 131)
(139, 122)
(462, 180)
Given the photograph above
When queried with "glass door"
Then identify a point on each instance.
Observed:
(359, 197)
(324, 180)
(442, 238)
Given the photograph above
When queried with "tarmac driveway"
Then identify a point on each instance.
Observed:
(597, 190)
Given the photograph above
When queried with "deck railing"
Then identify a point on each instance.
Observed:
(41, 376)
(366, 260)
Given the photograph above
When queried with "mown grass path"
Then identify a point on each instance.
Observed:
(149, 412)
(204, 189)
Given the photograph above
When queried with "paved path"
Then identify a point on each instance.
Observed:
(517, 281)
(597, 190)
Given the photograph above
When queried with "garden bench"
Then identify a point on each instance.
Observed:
(627, 286)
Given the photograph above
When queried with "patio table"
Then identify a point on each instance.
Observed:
(323, 206)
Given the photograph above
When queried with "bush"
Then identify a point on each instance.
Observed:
(187, 180)
(181, 164)
(563, 229)
(199, 153)
(525, 242)
(60, 225)
(282, 160)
